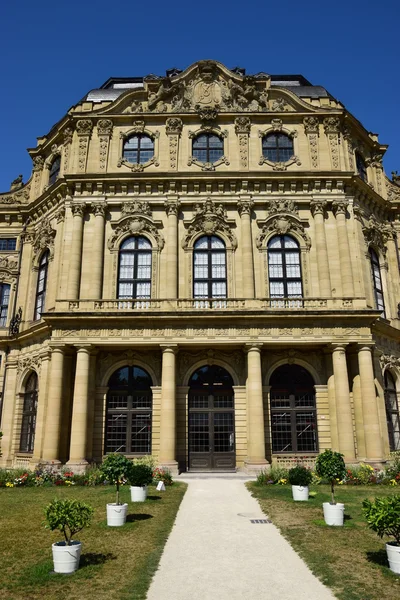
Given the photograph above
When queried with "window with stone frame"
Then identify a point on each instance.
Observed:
(134, 268)
(361, 167)
(54, 170)
(41, 285)
(277, 147)
(29, 411)
(138, 148)
(377, 282)
(284, 269)
(209, 268)
(392, 412)
(4, 302)
(207, 148)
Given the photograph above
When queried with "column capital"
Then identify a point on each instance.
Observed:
(366, 346)
(340, 207)
(336, 347)
(56, 346)
(245, 206)
(78, 209)
(174, 348)
(84, 348)
(257, 346)
(318, 206)
(99, 209)
(172, 206)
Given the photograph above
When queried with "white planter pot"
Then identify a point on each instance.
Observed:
(138, 494)
(66, 558)
(300, 492)
(333, 513)
(116, 514)
(393, 554)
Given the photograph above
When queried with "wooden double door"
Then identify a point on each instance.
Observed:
(211, 420)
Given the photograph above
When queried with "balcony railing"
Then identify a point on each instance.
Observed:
(210, 304)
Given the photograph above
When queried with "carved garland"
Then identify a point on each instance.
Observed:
(311, 128)
(104, 132)
(139, 127)
(332, 131)
(242, 129)
(84, 129)
(277, 126)
(173, 128)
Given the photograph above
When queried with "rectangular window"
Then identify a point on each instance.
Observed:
(4, 301)
(8, 244)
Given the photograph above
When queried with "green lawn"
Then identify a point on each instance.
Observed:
(116, 562)
(350, 559)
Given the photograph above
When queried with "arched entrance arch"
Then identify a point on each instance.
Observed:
(129, 411)
(211, 420)
(293, 410)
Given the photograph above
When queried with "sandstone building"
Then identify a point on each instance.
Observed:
(204, 267)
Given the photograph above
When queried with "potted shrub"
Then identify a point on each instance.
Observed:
(383, 517)
(115, 469)
(70, 517)
(300, 478)
(140, 476)
(330, 465)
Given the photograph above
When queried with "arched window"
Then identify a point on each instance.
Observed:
(361, 167)
(377, 281)
(139, 148)
(129, 412)
(4, 301)
(54, 170)
(293, 414)
(134, 273)
(284, 271)
(41, 285)
(209, 268)
(277, 147)
(392, 412)
(208, 148)
(29, 414)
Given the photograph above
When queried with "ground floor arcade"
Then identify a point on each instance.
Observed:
(215, 405)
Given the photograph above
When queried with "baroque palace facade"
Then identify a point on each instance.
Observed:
(203, 267)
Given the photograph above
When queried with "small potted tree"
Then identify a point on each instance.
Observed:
(300, 477)
(140, 476)
(383, 517)
(70, 517)
(330, 465)
(115, 469)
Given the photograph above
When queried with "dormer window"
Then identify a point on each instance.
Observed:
(361, 168)
(277, 147)
(208, 148)
(138, 149)
(54, 170)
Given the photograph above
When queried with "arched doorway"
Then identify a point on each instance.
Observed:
(211, 420)
(293, 411)
(129, 412)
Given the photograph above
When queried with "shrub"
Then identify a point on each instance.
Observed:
(115, 469)
(140, 475)
(300, 475)
(69, 516)
(161, 474)
(274, 475)
(148, 460)
(383, 516)
(330, 465)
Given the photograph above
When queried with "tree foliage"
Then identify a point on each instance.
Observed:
(69, 516)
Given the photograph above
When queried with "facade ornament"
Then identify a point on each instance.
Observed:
(43, 238)
(396, 178)
(78, 209)
(84, 127)
(331, 125)
(242, 125)
(393, 189)
(68, 134)
(311, 128)
(135, 107)
(282, 205)
(282, 225)
(311, 125)
(377, 234)
(279, 105)
(332, 130)
(104, 127)
(60, 214)
(242, 129)
(8, 263)
(135, 207)
(99, 209)
(347, 135)
(137, 127)
(21, 196)
(17, 184)
(173, 125)
(277, 126)
(340, 206)
(318, 206)
(207, 115)
(38, 163)
(172, 207)
(15, 323)
(209, 219)
(136, 225)
(245, 206)
(206, 166)
(104, 131)
(29, 362)
(389, 361)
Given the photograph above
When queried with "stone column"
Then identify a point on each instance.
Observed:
(343, 408)
(331, 401)
(172, 209)
(41, 408)
(256, 438)
(373, 439)
(51, 444)
(340, 209)
(80, 409)
(168, 409)
(9, 406)
(75, 256)
(97, 263)
(244, 206)
(318, 208)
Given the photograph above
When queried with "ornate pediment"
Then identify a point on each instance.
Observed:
(42, 238)
(135, 207)
(136, 220)
(16, 196)
(377, 234)
(209, 219)
(282, 218)
(9, 264)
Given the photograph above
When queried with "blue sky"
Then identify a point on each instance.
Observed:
(52, 53)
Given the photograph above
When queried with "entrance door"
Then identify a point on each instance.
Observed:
(211, 420)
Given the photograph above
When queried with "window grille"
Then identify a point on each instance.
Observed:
(138, 149)
(208, 148)
(277, 147)
(134, 276)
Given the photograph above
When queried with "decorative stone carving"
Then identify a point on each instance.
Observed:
(209, 219)
(8, 263)
(281, 226)
(106, 359)
(29, 362)
(242, 125)
(172, 207)
(332, 130)
(389, 361)
(318, 206)
(99, 209)
(68, 134)
(396, 178)
(21, 196)
(135, 207)
(104, 127)
(350, 146)
(173, 125)
(279, 105)
(377, 234)
(311, 125)
(393, 190)
(17, 184)
(60, 214)
(38, 163)
(136, 226)
(277, 126)
(311, 128)
(331, 125)
(43, 237)
(84, 127)
(242, 129)
(340, 206)
(235, 359)
(139, 127)
(78, 209)
(282, 205)
(245, 206)
(104, 131)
